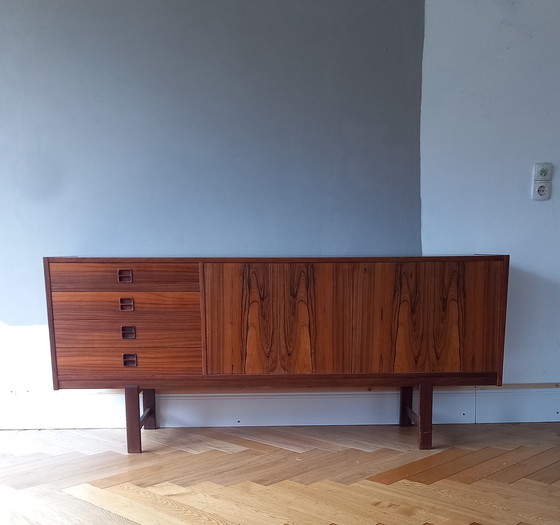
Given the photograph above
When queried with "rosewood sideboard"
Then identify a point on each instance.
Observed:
(204, 324)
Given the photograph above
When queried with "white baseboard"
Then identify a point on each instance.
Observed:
(530, 405)
(105, 409)
(348, 408)
(356, 408)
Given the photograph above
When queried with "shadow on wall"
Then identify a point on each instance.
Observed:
(532, 352)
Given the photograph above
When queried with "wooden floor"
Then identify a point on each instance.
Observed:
(479, 474)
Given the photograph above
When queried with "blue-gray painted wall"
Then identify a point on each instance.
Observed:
(205, 128)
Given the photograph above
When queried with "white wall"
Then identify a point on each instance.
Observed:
(490, 109)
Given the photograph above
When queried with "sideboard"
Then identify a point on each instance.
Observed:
(224, 324)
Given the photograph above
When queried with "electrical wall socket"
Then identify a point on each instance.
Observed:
(542, 181)
(541, 190)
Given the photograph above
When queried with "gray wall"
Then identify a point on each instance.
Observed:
(205, 128)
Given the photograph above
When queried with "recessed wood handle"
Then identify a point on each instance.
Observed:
(124, 275)
(130, 360)
(128, 332)
(126, 304)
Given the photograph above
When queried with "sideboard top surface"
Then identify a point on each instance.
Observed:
(318, 259)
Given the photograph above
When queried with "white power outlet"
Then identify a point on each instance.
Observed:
(541, 190)
(542, 181)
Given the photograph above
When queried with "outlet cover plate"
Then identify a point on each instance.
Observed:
(542, 171)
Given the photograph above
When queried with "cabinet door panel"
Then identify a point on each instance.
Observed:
(293, 286)
(259, 323)
(332, 321)
(446, 342)
(428, 319)
(373, 313)
(225, 318)
(484, 315)
(449, 316)
(242, 318)
(276, 318)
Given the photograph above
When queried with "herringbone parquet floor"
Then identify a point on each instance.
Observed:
(479, 474)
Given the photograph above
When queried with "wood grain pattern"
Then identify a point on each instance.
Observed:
(289, 324)
(87, 325)
(259, 339)
(294, 291)
(179, 329)
(333, 344)
(224, 318)
(105, 305)
(428, 317)
(279, 475)
(369, 317)
(372, 334)
(485, 315)
(96, 276)
(106, 363)
(277, 318)
(218, 383)
(448, 306)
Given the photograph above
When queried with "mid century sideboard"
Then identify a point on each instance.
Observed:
(143, 324)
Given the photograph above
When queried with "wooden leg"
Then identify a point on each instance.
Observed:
(425, 403)
(406, 404)
(149, 406)
(133, 426)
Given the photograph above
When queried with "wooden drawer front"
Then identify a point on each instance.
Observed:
(129, 276)
(127, 307)
(110, 362)
(175, 330)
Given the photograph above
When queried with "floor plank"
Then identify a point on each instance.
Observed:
(416, 467)
(493, 465)
(457, 465)
(528, 466)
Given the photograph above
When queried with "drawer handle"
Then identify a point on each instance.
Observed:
(126, 304)
(124, 275)
(130, 360)
(128, 332)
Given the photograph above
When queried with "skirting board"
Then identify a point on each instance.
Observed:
(375, 408)
(105, 409)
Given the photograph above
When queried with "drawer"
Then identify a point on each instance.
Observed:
(121, 276)
(113, 362)
(127, 307)
(174, 330)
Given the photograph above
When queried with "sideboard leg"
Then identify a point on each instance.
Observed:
(425, 403)
(149, 405)
(133, 425)
(406, 406)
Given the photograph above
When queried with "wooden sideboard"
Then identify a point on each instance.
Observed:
(203, 324)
